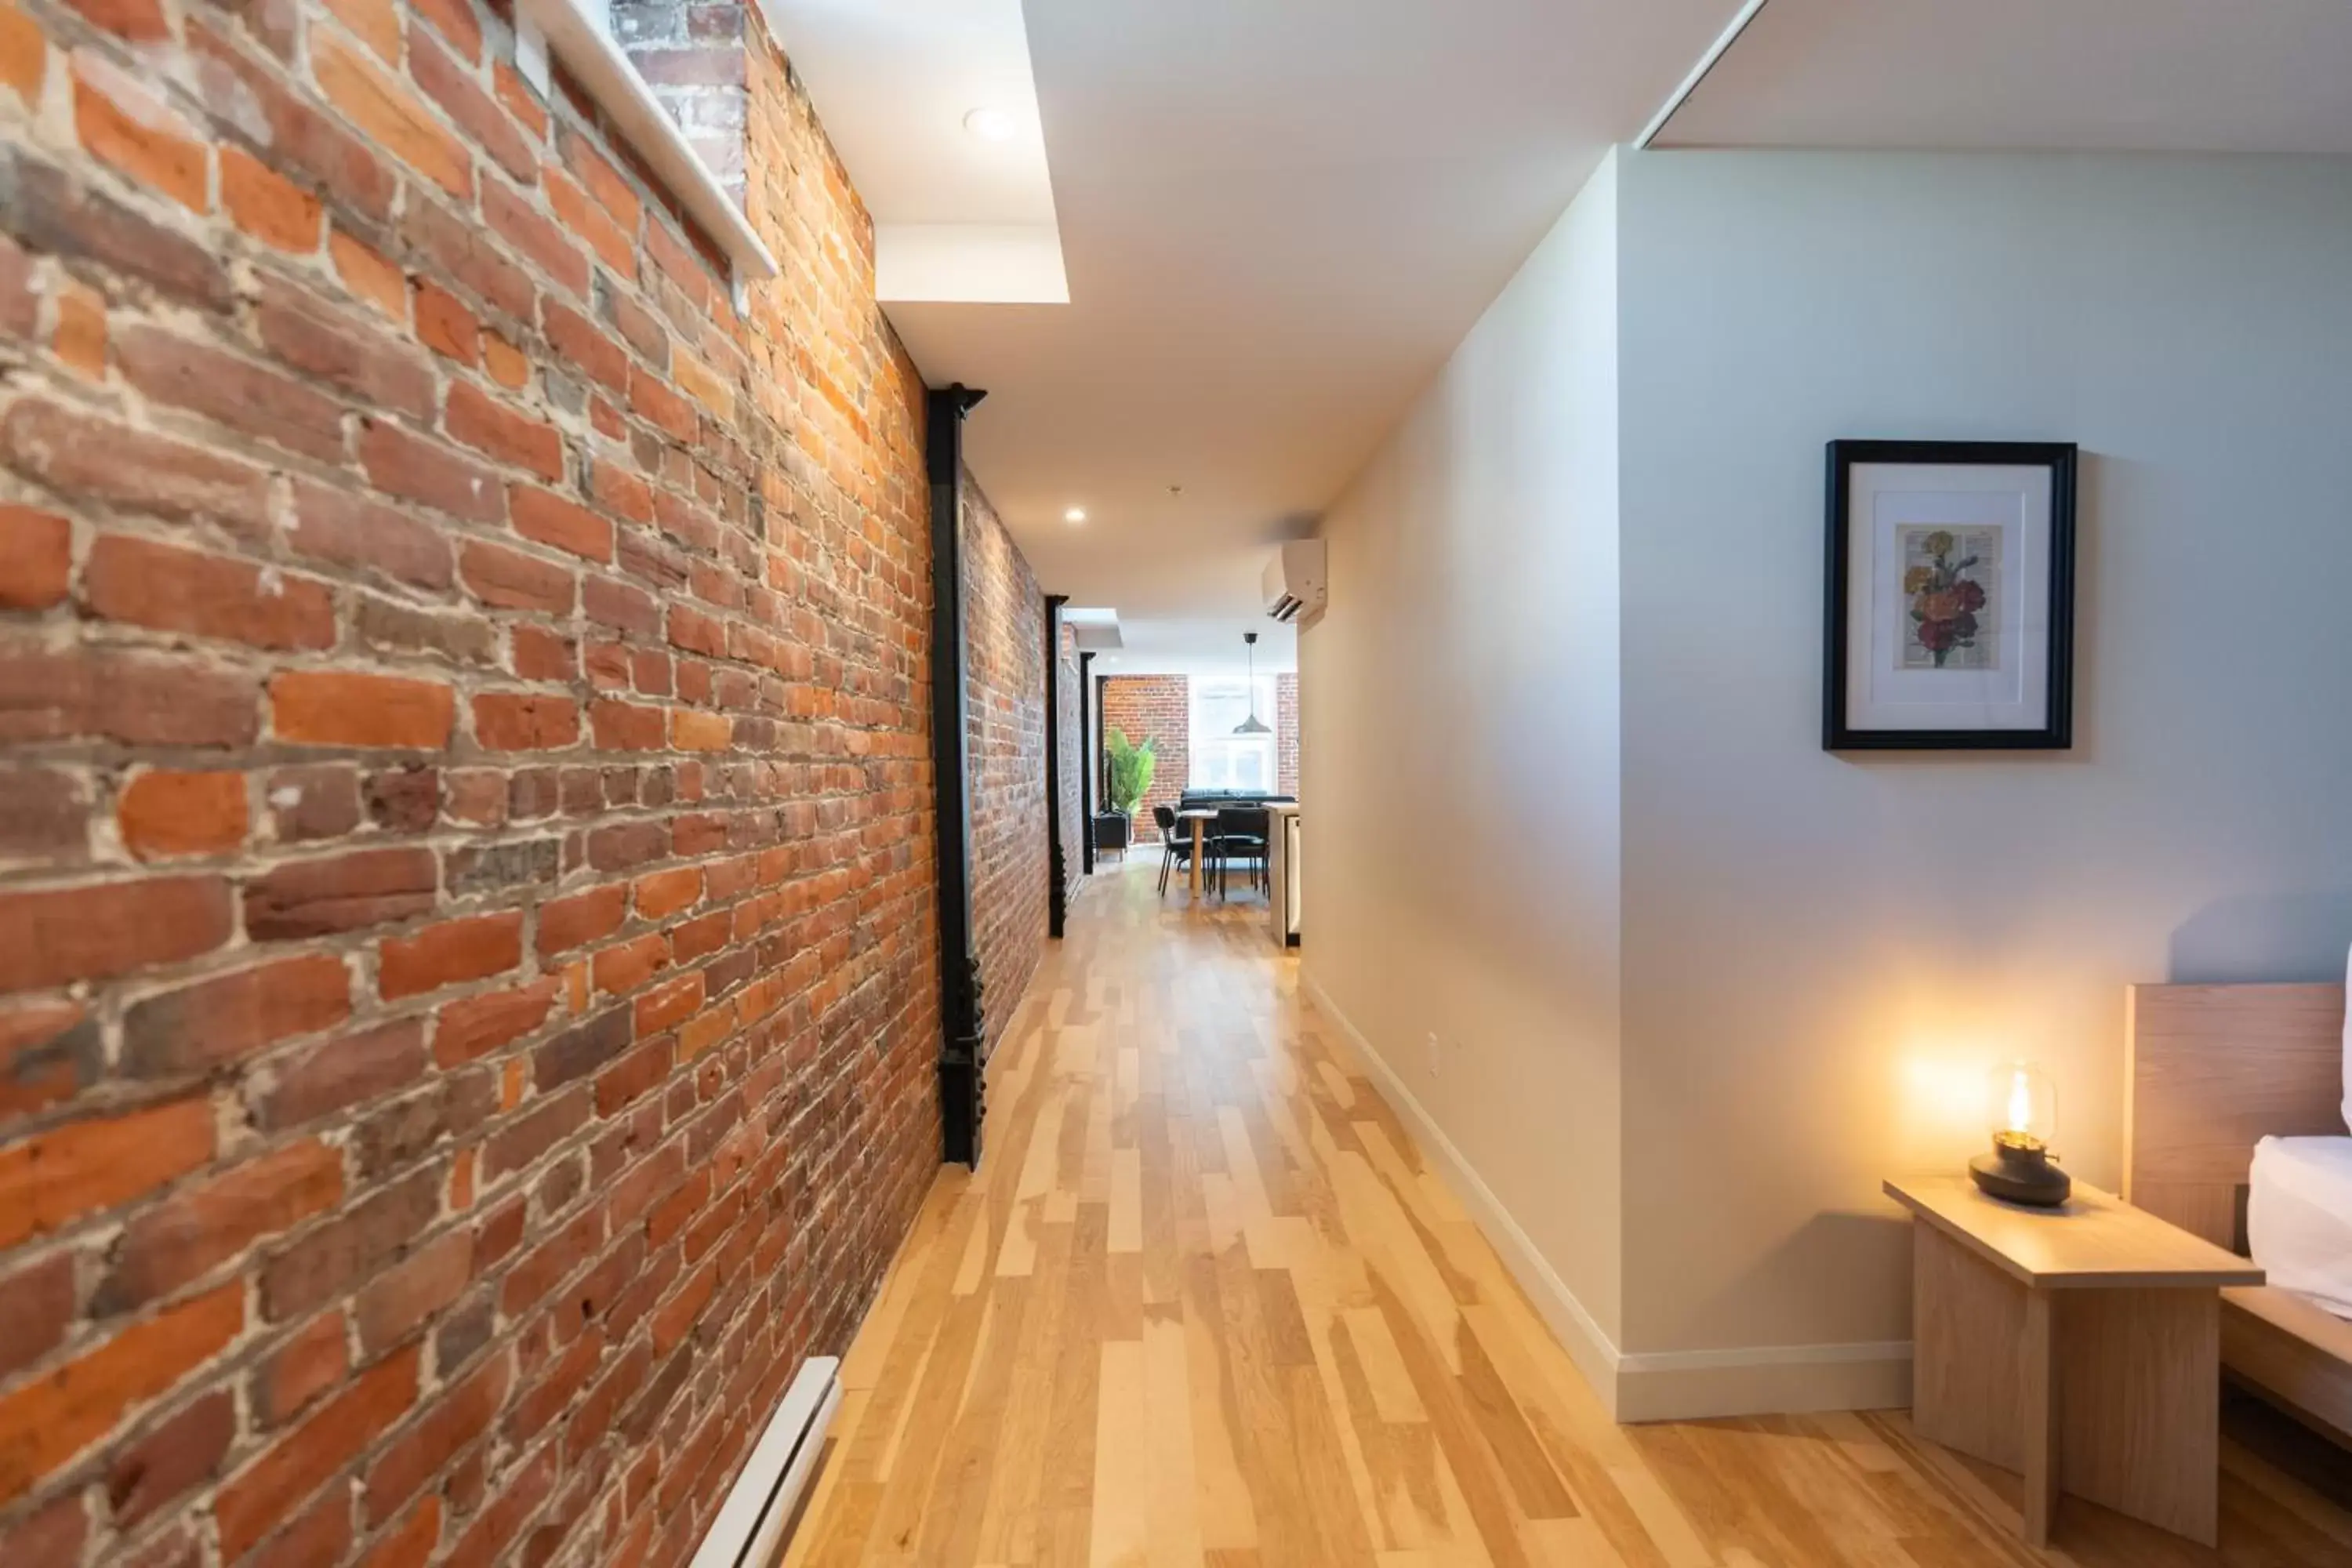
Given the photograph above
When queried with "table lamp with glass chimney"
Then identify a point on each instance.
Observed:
(2022, 1104)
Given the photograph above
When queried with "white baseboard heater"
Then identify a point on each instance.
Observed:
(750, 1525)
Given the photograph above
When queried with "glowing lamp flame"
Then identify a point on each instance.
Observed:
(2020, 1102)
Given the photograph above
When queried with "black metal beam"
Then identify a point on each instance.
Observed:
(1085, 754)
(961, 1101)
(1058, 893)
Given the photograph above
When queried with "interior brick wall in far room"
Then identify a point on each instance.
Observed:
(468, 950)
(1286, 732)
(1157, 707)
(1004, 670)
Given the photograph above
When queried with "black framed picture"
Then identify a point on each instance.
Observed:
(1950, 602)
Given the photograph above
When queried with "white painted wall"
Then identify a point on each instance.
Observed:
(1822, 953)
(1459, 746)
(1708, 985)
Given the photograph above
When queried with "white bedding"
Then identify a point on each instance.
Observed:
(2299, 1217)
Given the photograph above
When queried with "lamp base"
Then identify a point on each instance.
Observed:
(2031, 1181)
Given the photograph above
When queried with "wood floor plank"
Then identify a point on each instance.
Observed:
(1206, 1305)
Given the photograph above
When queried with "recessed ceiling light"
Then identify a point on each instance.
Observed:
(1076, 514)
(990, 124)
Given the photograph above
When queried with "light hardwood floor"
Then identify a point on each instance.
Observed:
(1204, 1304)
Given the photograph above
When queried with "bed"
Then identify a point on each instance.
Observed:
(2234, 1128)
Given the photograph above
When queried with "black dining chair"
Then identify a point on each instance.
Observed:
(1175, 847)
(1241, 832)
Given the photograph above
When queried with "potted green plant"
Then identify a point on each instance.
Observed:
(1131, 767)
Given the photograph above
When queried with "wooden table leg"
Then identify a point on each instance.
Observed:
(1196, 859)
(2037, 1353)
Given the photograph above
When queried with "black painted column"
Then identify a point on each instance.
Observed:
(1057, 865)
(1087, 754)
(961, 1101)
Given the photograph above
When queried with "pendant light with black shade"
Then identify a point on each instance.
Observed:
(1253, 725)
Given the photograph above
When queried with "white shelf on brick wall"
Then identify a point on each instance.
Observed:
(575, 32)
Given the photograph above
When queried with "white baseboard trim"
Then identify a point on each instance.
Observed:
(1640, 1385)
(1582, 1337)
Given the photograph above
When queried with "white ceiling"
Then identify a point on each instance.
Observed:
(2206, 76)
(957, 216)
(1278, 218)
(1200, 645)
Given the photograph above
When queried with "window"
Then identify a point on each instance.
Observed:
(1220, 758)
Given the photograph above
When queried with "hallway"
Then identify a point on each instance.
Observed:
(1205, 1303)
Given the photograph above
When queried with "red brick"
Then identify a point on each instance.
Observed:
(579, 341)
(363, 268)
(510, 580)
(96, 460)
(231, 390)
(50, 1051)
(349, 1071)
(120, 119)
(651, 399)
(150, 585)
(55, 1533)
(524, 1138)
(472, 418)
(353, 352)
(523, 722)
(252, 1503)
(411, 1543)
(308, 1364)
(266, 205)
(619, 605)
(581, 919)
(64, 934)
(507, 364)
(477, 113)
(344, 892)
(130, 697)
(37, 1307)
(200, 1227)
(548, 1265)
(414, 469)
(36, 558)
(43, 816)
(321, 1534)
(445, 325)
(318, 801)
(543, 655)
(622, 969)
(698, 937)
(332, 1258)
(461, 1414)
(618, 846)
(46, 1422)
(164, 813)
(474, 1026)
(340, 707)
(663, 893)
(24, 52)
(218, 1021)
(563, 524)
(455, 21)
(626, 726)
(539, 239)
(668, 1005)
(404, 1295)
(450, 953)
(236, 86)
(693, 730)
(390, 118)
(471, 256)
(689, 628)
(180, 1453)
(498, 1523)
(52, 211)
(350, 530)
(615, 245)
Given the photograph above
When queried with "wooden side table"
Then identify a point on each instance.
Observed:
(2079, 1346)
(1200, 819)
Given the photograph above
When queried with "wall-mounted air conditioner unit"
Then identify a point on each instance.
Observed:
(1296, 588)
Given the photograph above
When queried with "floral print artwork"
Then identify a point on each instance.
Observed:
(1952, 580)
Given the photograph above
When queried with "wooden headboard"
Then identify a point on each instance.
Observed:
(2208, 1069)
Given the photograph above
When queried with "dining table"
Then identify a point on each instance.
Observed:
(1200, 817)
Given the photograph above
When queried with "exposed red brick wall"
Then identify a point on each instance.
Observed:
(1157, 707)
(467, 964)
(1004, 673)
(1286, 732)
